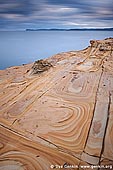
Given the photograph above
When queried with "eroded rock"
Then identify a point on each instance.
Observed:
(103, 45)
(40, 66)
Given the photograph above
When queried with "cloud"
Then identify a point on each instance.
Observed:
(87, 7)
(21, 7)
(55, 13)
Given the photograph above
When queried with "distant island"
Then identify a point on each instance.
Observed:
(76, 29)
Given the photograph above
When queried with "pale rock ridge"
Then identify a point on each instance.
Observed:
(64, 115)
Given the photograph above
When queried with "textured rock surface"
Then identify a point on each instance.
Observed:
(40, 66)
(63, 116)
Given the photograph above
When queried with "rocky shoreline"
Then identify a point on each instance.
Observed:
(58, 112)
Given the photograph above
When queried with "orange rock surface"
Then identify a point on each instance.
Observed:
(62, 116)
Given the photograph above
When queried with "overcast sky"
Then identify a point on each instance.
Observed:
(22, 14)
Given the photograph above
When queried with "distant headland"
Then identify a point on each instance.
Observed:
(75, 29)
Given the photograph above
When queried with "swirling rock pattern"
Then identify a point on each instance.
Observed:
(62, 116)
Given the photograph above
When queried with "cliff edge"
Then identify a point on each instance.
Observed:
(58, 112)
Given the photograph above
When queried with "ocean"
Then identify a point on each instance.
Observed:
(22, 47)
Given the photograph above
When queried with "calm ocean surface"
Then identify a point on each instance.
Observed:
(17, 48)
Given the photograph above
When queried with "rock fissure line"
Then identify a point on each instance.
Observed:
(91, 155)
(13, 131)
(94, 108)
(61, 149)
(103, 142)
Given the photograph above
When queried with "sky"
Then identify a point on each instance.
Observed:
(39, 14)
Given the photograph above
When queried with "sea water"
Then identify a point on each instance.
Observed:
(22, 47)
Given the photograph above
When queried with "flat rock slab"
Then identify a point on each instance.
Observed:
(62, 117)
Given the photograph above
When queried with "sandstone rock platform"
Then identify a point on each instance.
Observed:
(60, 116)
